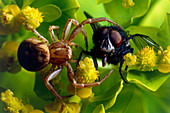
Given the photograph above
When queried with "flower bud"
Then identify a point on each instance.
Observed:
(32, 17)
(164, 63)
(9, 19)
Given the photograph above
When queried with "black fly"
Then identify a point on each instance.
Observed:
(111, 43)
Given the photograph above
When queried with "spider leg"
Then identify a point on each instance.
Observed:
(95, 20)
(50, 77)
(51, 28)
(67, 28)
(70, 74)
(37, 34)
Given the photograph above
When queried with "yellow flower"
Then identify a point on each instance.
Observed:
(9, 19)
(128, 3)
(164, 63)
(146, 58)
(130, 59)
(16, 106)
(13, 104)
(86, 72)
(32, 17)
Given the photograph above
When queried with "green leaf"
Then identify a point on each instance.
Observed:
(156, 15)
(123, 99)
(164, 32)
(149, 79)
(124, 16)
(51, 12)
(40, 89)
(102, 1)
(27, 3)
(99, 109)
(68, 9)
(109, 98)
(22, 85)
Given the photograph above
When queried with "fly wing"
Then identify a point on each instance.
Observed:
(94, 26)
(141, 41)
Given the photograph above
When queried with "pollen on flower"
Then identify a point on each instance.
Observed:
(130, 59)
(13, 104)
(32, 17)
(146, 58)
(86, 72)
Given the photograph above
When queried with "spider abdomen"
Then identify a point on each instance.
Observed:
(33, 54)
(60, 53)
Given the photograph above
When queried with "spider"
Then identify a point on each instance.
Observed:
(34, 54)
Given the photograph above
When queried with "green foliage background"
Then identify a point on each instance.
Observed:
(148, 92)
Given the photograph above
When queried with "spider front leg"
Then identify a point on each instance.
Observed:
(95, 20)
(70, 74)
(51, 28)
(37, 34)
(50, 77)
(67, 28)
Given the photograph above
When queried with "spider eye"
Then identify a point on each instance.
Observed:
(115, 38)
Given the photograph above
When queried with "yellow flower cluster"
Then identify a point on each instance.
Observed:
(128, 3)
(164, 64)
(13, 104)
(12, 18)
(130, 59)
(147, 58)
(32, 17)
(86, 72)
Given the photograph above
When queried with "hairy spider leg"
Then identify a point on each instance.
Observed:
(71, 77)
(37, 34)
(51, 76)
(67, 28)
(51, 28)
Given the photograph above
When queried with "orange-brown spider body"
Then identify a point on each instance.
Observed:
(60, 52)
